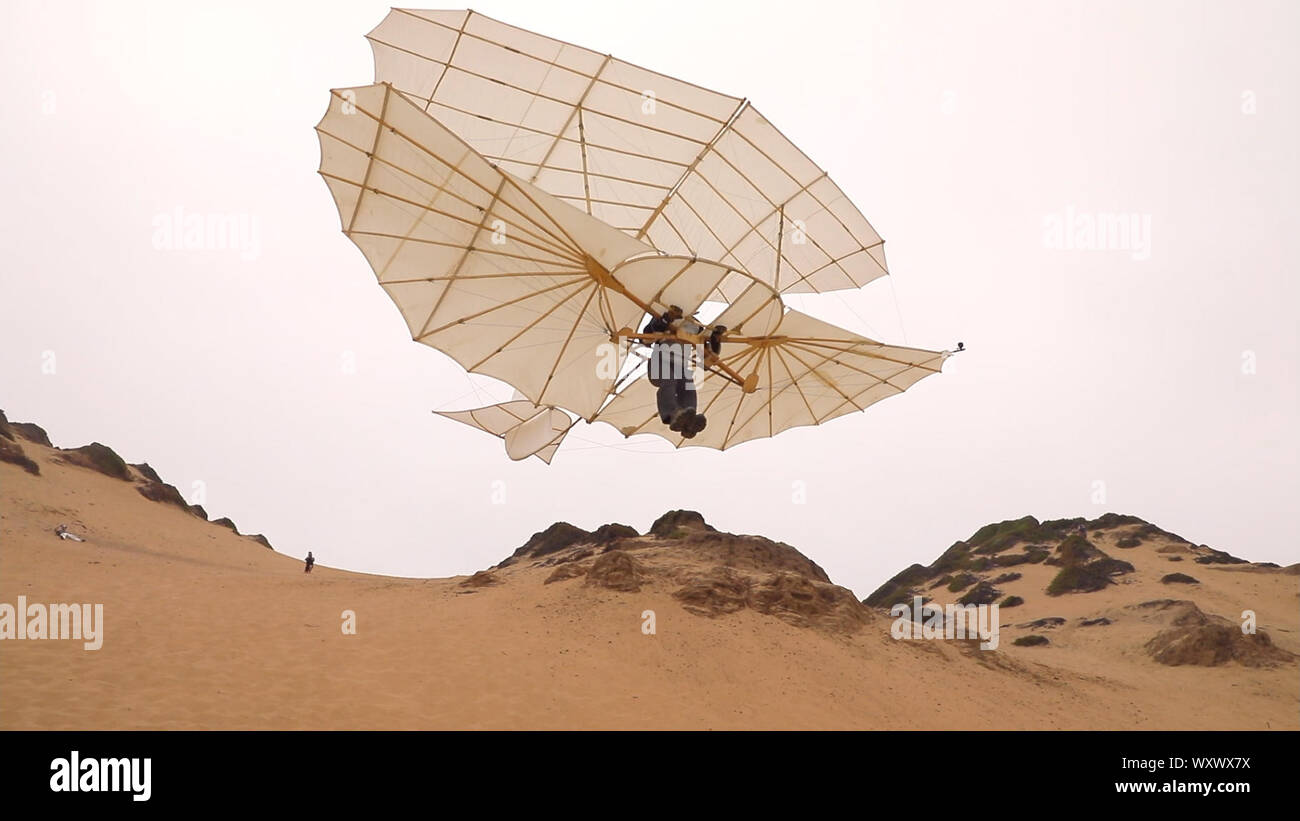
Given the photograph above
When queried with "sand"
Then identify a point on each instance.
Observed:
(205, 629)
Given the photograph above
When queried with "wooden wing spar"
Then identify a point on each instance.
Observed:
(526, 204)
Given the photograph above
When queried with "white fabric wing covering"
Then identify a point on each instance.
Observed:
(692, 171)
(672, 280)
(528, 430)
(809, 372)
(542, 432)
(483, 267)
(522, 200)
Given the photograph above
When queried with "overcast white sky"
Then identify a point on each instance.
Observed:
(1168, 372)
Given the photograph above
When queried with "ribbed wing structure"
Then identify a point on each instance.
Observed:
(692, 171)
(526, 202)
(528, 429)
(809, 372)
(483, 266)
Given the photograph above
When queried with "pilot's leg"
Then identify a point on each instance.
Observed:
(689, 399)
(686, 393)
(666, 400)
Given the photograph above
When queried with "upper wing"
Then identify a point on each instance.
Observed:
(689, 170)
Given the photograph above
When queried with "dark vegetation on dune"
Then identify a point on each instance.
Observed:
(1032, 555)
(12, 452)
(900, 588)
(25, 430)
(961, 581)
(153, 488)
(1045, 623)
(1016, 542)
(995, 538)
(553, 539)
(148, 472)
(1219, 557)
(982, 593)
(32, 433)
(1074, 550)
(227, 523)
(1031, 641)
(1076, 580)
(162, 492)
(99, 458)
(1084, 567)
(1111, 567)
(1147, 530)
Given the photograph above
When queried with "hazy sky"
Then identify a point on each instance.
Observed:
(1157, 376)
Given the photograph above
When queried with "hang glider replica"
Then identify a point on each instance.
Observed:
(527, 204)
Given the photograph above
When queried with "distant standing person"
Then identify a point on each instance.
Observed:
(311, 561)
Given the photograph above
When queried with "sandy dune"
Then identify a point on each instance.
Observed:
(207, 629)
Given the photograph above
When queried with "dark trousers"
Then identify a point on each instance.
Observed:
(676, 388)
(675, 394)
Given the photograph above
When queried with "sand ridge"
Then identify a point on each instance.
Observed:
(206, 629)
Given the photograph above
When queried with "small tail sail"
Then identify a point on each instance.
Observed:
(528, 429)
